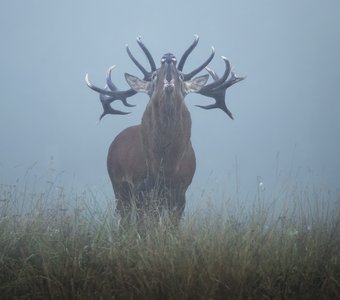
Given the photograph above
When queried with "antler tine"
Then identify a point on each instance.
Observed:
(219, 104)
(212, 73)
(109, 82)
(187, 52)
(106, 103)
(232, 80)
(218, 81)
(201, 67)
(137, 63)
(117, 95)
(147, 53)
(113, 88)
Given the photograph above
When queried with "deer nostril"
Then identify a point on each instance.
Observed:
(168, 58)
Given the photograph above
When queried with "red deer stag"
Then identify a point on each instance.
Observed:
(157, 155)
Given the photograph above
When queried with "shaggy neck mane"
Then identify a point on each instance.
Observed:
(166, 130)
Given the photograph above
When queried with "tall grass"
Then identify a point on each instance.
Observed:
(68, 248)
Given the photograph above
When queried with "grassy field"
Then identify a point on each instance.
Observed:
(51, 249)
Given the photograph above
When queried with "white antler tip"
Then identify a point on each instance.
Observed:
(87, 79)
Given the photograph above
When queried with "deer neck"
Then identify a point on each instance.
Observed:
(166, 131)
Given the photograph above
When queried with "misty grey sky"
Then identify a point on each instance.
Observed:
(287, 111)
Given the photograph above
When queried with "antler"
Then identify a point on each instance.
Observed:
(107, 100)
(110, 92)
(217, 89)
(185, 56)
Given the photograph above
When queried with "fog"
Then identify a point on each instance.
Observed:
(287, 111)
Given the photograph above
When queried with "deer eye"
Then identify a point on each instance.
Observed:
(154, 76)
(181, 76)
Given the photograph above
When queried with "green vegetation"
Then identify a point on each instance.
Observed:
(53, 251)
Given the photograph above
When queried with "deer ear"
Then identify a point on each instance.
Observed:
(194, 85)
(137, 84)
